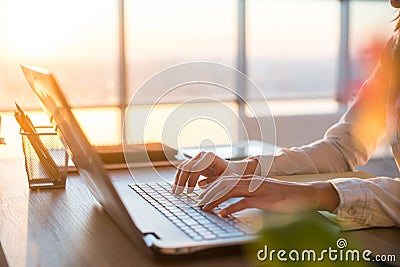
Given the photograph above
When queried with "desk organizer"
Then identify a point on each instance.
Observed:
(46, 159)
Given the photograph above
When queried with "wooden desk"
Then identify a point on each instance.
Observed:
(68, 228)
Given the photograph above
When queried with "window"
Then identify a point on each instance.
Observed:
(367, 39)
(79, 42)
(292, 47)
(161, 33)
(75, 39)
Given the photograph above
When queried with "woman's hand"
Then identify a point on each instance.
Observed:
(211, 166)
(272, 194)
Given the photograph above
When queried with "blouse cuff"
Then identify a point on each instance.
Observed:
(354, 199)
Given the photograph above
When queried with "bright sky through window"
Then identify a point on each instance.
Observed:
(46, 28)
(49, 30)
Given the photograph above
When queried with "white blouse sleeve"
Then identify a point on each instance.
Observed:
(372, 202)
(347, 144)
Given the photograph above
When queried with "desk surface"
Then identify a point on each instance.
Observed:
(69, 228)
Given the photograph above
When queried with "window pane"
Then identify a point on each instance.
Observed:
(161, 34)
(292, 47)
(165, 33)
(77, 40)
(370, 28)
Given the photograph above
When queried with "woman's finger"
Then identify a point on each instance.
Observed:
(192, 180)
(193, 169)
(228, 181)
(204, 162)
(184, 172)
(245, 203)
(177, 175)
(180, 165)
(227, 188)
(219, 184)
(237, 191)
(205, 183)
(218, 189)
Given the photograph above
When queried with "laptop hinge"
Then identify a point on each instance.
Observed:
(150, 238)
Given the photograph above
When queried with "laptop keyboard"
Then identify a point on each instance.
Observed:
(183, 212)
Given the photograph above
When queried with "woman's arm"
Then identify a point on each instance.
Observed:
(347, 144)
(271, 194)
(371, 202)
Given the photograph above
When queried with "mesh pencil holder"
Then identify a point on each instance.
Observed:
(46, 159)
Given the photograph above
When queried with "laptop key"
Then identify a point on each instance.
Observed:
(197, 238)
(246, 229)
(230, 235)
(189, 221)
(183, 212)
(215, 229)
(209, 236)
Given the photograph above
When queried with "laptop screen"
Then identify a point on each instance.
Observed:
(86, 160)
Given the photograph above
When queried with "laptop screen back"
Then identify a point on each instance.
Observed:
(81, 152)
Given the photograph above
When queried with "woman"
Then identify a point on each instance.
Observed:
(347, 144)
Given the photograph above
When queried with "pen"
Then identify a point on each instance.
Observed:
(27, 119)
(50, 167)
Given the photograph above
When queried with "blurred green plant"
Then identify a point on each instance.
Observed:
(304, 239)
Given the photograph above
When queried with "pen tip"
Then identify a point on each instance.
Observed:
(19, 108)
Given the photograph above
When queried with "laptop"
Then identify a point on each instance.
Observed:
(149, 214)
